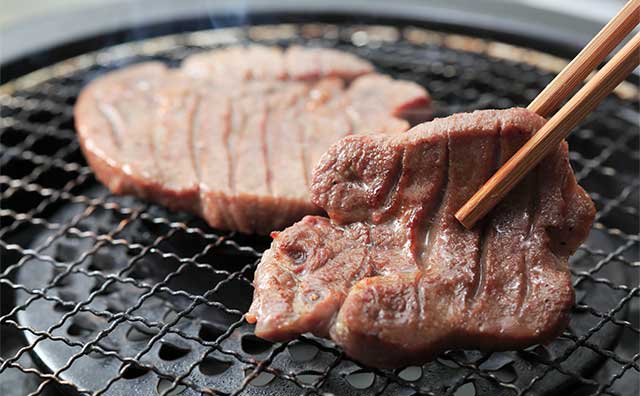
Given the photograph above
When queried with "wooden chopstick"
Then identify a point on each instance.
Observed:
(587, 60)
(551, 134)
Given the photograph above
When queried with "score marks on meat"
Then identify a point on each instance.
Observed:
(233, 134)
(394, 278)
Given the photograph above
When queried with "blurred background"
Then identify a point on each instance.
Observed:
(29, 25)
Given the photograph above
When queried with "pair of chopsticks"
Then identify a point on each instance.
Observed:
(574, 111)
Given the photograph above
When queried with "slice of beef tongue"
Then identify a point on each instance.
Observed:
(237, 64)
(172, 140)
(394, 279)
(114, 116)
(369, 110)
(234, 133)
(257, 62)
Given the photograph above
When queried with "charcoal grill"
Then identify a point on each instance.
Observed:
(115, 296)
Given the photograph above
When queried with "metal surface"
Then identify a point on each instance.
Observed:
(116, 296)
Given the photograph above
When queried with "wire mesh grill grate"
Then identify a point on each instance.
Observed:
(114, 294)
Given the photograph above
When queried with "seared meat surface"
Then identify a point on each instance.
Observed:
(233, 134)
(394, 279)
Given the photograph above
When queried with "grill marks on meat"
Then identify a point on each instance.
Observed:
(394, 279)
(234, 133)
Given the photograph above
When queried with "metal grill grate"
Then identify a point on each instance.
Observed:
(116, 296)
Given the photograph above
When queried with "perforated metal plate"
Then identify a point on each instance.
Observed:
(117, 296)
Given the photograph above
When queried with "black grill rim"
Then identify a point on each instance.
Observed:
(560, 45)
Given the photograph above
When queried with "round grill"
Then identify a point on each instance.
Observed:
(116, 296)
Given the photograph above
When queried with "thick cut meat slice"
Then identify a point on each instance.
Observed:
(237, 64)
(393, 277)
(114, 116)
(312, 63)
(258, 62)
(233, 134)
(369, 110)
(176, 108)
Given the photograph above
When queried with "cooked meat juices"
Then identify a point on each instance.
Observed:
(234, 133)
(394, 279)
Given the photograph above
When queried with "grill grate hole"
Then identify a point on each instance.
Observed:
(309, 377)
(254, 345)
(262, 379)
(164, 385)
(12, 137)
(83, 325)
(506, 374)
(496, 361)
(361, 379)
(41, 117)
(133, 371)
(411, 373)
(49, 145)
(139, 333)
(302, 352)
(468, 389)
(211, 331)
(101, 261)
(536, 353)
(65, 252)
(213, 366)
(18, 168)
(170, 351)
(78, 331)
